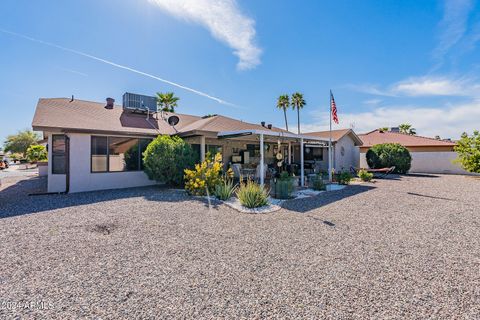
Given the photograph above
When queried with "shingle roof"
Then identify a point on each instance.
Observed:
(377, 137)
(86, 116)
(219, 123)
(336, 135)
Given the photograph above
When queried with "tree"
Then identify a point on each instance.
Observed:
(298, 103)
(383, 129)
(166, 158)
(19, 143)
(283, 103)
(167, 101)
(387, 155)
(468, 149)
(407, 129)
(36, 153)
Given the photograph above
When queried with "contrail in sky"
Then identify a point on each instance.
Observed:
(118, 66)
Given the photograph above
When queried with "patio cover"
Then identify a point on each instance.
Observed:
(265, 134)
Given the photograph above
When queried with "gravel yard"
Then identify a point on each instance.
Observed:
(408, 247)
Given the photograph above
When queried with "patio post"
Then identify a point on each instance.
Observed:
(302, 167)
(261, 160)
(202, 148)
(289, 152)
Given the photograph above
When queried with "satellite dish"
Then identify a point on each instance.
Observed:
(173, 120)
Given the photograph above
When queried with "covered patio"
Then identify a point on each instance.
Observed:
(269, 149)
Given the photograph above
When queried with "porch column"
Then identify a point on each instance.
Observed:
(202, 148)
(302, 167)
(261, 160)
(289, 152)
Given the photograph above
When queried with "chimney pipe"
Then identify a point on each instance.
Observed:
(73, 98)
(110, 102)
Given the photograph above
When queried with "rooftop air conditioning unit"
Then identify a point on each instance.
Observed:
(139, 103)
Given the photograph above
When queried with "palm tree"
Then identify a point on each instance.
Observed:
(283, 103)
(298, 103)
(167, 101)
(407, 129)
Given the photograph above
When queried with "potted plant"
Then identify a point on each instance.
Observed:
(284, 186)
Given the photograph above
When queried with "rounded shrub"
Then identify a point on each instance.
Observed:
(388, 155)
(166, 158)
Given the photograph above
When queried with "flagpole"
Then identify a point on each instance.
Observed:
(330, 142)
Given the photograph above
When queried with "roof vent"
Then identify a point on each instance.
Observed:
(395, 129)
(262, 123)
(110, 102)
(269, 126)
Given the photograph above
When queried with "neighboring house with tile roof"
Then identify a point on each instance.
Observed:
(429, 155)
(93, 146)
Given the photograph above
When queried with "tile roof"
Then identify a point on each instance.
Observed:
(86, 116)
(377, 137)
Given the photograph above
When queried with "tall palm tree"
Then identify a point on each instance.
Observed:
(167, 101)
(283, 103)
(407, 129)
(298, 103)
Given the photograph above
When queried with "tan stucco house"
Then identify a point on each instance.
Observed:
(95, 146)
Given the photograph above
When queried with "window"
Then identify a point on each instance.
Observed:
(123, 154)
(99, 154)
(214, 149)
(117, 154)
(313, 153)
(58, 154)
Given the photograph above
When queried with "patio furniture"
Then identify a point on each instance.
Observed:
(248, 172)
(377, 173)
(237, 170)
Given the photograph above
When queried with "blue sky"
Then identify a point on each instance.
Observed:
(387, 62)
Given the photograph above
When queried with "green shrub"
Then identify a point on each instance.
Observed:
(387, 155)
(318, 183)
(364, 175)
(36, 153)
(224, 190)
(165, 159)
(344, 177)
(252, 195)
(468, 150)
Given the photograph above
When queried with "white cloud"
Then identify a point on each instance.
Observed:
(224, 20)
(424, 86)
(448, 122)
(433, 86)
(453, 26)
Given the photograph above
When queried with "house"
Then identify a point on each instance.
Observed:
(428, 155)
(345, 145)
(95, 146)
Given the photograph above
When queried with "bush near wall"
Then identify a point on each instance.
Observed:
(165, 159)
(36, 153)
(388, 155)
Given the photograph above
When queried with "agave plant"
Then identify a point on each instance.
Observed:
(252, 195)
(225, 190)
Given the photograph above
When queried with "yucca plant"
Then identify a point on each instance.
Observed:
(252, 195)
(224, 190)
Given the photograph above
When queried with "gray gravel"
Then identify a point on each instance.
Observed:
(402, 248)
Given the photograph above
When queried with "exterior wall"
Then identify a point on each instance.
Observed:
(428, 162)
(81, 179)
(349, 158)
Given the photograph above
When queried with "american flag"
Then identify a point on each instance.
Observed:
(333, 107)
